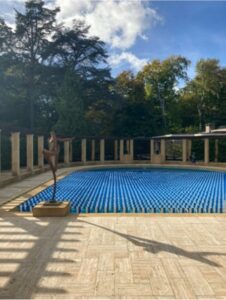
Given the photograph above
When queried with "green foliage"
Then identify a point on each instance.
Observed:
(160, 81)
(70, 106)
(53, 76)
(204, 96)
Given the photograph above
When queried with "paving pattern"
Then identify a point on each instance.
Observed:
(142, 190)
(112, 257)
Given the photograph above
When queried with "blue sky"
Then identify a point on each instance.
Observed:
(194, 29)
(137, 31)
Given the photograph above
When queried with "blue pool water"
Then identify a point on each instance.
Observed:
(139, 190)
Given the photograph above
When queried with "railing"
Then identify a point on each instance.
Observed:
(22, 154)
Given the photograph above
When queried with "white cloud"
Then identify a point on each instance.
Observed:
(127, 58)
(117, 22)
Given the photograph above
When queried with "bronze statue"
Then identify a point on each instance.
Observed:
(52, 155)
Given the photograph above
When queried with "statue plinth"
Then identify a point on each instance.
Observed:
(51, 209)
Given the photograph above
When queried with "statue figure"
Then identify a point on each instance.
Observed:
(52, 155)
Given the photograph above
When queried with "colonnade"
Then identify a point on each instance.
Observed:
(123, 151)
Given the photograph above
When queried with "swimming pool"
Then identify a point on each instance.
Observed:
(139, 190)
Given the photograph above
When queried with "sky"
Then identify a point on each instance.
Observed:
(138, 31)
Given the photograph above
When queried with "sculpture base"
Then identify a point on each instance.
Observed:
(51, 210)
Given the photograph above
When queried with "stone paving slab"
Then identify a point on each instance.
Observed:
(109, 257)
(16, 189)
(112, 258)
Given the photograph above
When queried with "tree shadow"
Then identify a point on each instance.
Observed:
(155, 247)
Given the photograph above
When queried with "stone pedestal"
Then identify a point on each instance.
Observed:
(43, 210)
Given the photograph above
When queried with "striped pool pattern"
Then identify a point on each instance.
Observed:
(139, 190)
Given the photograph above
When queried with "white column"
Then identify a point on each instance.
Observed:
(121, 150)
(216, 150)
(116, 150)
(93, 150)
(102, 150)
(84, 150)
(189, 147)
(163, 150)
(30, 152)
(131, 149)
(206, 151)
(40, 152)
(70, 151)
(184, 150)
(128, 146)
(15, 140)
(67, 152)
(151, 148)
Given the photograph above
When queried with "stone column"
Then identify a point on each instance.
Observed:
(151, 148)
(67, 152)
(163, 150)
(40, 152)
(121, 150)
(131, 149)
(189, 147)
(84, 150)
(128, 146)
(30, 152)
(184, 150)
(15, 152)
(116, 150)
(102, 150)
(206, 151)
(70, 151)
(216, 150)
(93, 150)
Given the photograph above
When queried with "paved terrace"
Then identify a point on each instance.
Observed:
(110, 256)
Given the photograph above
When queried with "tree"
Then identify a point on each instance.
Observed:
(205, 91)
(132, 114)
(73, 48)
(70, 106)
(84, 57)
(34, 30)
(161, 80)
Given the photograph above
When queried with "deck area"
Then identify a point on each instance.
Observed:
(160, 257)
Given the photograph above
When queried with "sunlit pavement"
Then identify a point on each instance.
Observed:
(112, 257)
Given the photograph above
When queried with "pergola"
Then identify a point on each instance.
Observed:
(158, 144)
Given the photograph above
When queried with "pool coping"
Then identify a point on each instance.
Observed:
(12, 204)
